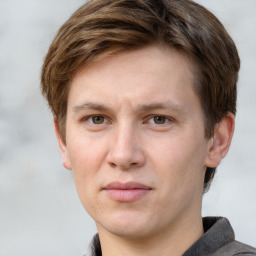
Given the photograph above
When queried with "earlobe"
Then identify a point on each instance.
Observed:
(220, 142)
(62, 146)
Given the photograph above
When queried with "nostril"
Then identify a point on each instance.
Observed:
(112, 164)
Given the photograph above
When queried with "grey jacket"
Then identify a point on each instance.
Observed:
(218, 240)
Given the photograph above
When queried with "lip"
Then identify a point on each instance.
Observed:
(126, 192)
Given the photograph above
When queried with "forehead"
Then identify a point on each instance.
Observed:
(155, 55)
(150, 74)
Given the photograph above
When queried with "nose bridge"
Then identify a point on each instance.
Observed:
(125, 151)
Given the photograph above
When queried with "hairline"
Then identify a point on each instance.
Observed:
(193, 66)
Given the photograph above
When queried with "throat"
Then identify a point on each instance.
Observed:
(164, 244)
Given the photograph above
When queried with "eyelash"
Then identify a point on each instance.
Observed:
(166, 119)
(90, 119)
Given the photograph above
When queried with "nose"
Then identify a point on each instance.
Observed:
(126, 150)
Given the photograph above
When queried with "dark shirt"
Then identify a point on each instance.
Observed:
(218, 240)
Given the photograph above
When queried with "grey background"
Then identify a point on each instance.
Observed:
(40, 213)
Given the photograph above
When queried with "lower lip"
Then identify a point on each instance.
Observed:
(126, 195)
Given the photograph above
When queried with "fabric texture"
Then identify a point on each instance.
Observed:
(218, 240)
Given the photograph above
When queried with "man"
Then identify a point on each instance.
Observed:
(143, 95)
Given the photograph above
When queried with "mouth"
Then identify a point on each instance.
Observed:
(126, 192)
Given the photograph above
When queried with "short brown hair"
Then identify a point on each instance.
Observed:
(101, 28)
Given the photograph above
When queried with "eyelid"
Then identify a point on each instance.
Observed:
(147, 119)
(86, 118)
(168, 118)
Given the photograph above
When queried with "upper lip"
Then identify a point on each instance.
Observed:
(126, 185)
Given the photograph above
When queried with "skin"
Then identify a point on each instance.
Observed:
(135, 117)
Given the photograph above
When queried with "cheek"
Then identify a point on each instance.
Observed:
(86, 153)
(87, 157)
(179, 163)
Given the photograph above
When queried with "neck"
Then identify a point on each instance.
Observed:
(173, 240)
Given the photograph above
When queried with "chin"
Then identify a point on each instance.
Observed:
(129, 226)
(130, 233)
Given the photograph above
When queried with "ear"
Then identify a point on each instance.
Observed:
(220, 142)
(62, 146)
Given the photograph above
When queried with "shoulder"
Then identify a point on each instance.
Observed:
(236, 248)
(219, 240)
(244, 249)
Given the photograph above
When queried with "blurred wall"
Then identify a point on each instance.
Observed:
(40, 213)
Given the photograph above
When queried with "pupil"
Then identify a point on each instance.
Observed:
(159, 119)
(98, 119)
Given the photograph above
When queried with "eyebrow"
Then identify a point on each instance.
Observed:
(89, 105)
(142, 108)
(168, 105)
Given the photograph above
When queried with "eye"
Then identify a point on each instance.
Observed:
(97, 119)
(159, 119)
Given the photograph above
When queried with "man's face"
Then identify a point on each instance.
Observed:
(135, 142)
